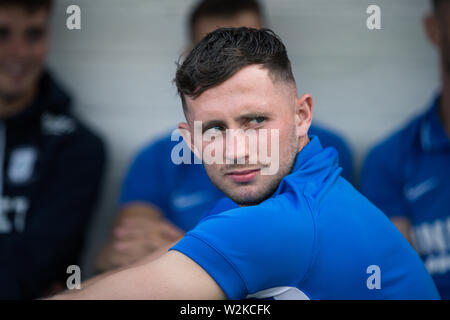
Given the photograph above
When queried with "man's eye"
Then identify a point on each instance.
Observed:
(213, 130)
(34, 35)
(257, 120)
(4, 33)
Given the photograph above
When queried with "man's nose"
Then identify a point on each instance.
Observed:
(236, 149)
(17, 48)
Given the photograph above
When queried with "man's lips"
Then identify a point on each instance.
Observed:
(243, 175)
(15, 70)
(16, 75)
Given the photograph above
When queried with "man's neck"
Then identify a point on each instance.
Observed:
(10, 106)
(303, 142)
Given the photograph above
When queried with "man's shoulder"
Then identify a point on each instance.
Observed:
(162, 145)
(265, 234)
(328, 137)
(398, 144)
(161, 141)
(71, 132)
(278, 215)
(168, 150)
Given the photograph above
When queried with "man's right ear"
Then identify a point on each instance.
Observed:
(188, 137)
(431, 25)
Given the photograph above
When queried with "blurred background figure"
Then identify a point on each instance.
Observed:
(160, 200)
(408, 175)
(51, 163)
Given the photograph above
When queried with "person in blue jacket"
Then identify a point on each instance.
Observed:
(408, 174)
(291, 227)
(161, 200)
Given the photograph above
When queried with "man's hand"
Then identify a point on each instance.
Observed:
(140, 230)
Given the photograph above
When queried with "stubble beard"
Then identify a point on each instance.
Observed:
(256, 197)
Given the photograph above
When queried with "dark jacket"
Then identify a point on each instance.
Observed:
(52, 168)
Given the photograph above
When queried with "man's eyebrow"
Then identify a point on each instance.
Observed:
(36, 27)
(252, 115)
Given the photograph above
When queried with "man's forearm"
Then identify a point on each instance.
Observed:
(172, 276)
(153, 256)
(105, 286)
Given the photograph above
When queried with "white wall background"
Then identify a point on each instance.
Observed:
(120, 65)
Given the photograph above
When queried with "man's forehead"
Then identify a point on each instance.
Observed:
(251, 90)
(19, 15)
(250, 79)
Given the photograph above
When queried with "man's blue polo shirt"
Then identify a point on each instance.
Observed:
(184, 192)
(408, 175)
(316, 237)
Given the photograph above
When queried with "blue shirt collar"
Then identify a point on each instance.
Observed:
(312, 148)
(313, 165)
(432, 132)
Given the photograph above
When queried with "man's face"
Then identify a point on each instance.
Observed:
(249, 100)
(23, 48)
(444, 26)
(206, 25)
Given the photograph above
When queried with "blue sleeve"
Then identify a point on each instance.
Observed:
(249, 249)
(381, 182)
(144, 177)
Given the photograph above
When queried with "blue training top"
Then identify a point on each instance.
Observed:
(316, 237)
(408, 175)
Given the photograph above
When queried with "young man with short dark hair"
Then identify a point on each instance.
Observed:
(299, 232)
(160, 200)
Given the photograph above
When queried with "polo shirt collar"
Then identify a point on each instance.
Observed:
(313, 165)
(312, 148)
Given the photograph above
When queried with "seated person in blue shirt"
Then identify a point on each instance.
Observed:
(161, 200)
(300, 231)
(408, 175)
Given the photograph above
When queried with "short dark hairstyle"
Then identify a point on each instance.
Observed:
(29, 5)
(438, 3)
(221, 8)
(225, 51)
